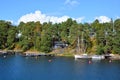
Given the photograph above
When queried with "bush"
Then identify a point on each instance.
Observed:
(100, 50)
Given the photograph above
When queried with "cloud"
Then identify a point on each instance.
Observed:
(103, 19)
(38, 16)
(71, 2)
(10, 21)
(79, 20)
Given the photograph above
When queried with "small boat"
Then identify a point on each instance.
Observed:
(83, 56)
(98, 57)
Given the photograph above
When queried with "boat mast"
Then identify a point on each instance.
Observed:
(78, 45)
(82, 44)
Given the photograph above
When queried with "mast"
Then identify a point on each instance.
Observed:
(82, 44)
(78, 45)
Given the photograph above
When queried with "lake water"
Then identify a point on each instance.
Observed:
(17, 67)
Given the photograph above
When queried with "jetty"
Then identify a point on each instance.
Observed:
(7, 52)
(34, 54)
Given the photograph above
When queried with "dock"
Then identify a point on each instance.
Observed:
(7, 52)
(33, 54)
(26, 54)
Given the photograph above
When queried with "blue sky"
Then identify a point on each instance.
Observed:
(58, 10)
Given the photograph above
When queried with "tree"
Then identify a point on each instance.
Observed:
(6, 31)
(102, 37)
(46, 42)
(11, 38)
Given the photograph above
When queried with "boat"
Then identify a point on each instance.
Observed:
(98, 57)
(83, 56)
(81, 49)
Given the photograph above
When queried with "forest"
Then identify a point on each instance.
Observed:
(99, 38)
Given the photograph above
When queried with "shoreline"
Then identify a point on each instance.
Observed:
(36, 53)
(115, 57)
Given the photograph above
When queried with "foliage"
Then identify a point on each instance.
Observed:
(100, 50)
(102, 37)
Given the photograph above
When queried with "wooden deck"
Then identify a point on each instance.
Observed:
(6, 52)
(32, 54)
(26, 54)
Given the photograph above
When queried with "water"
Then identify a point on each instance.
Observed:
(17, 67)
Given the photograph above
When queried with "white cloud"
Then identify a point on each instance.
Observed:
(10, 21)
(79, 20)
(38, 16)
(103, 19)
(71, 2)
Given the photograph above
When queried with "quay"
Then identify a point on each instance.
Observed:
(33, 54)
(7, 52)
(26, 54)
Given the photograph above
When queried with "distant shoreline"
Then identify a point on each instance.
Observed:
(36, 53)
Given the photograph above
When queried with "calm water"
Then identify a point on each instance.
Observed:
(57, 68)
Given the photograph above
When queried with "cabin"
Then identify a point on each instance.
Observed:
(59, 44)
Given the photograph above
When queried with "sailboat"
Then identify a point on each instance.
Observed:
(100, 57)
(81, 49)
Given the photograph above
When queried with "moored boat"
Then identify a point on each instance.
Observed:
(83, 56)
(98, 57)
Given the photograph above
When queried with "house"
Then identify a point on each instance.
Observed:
(59, 44)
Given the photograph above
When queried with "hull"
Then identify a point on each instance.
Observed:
(81, 56)
(98, 57)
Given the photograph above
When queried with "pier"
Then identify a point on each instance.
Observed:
(7, 52)
(26, 54)
(33, 54)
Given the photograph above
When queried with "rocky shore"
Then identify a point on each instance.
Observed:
(34, 53)
(115, 57)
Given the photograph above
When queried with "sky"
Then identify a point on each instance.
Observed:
(58, 11)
